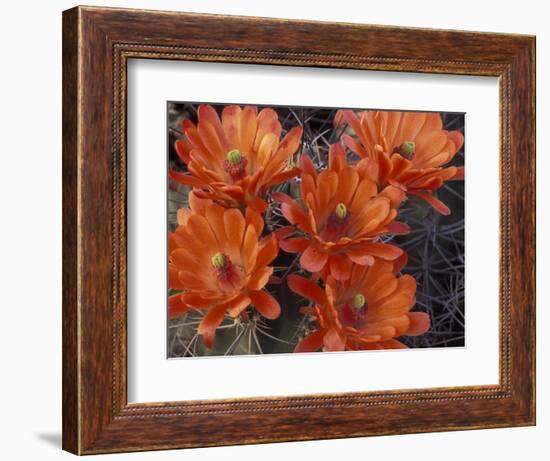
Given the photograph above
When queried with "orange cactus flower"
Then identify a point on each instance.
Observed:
(216, 256)
(342, 217)
(366, 312)
(407, 149)
(235, 160)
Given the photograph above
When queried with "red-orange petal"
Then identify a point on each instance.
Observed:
(306, 288)
(313, 259)
(265, 304)
(295, 215)
(311, 343)
(175, 240)
(340, 267)
(173, 279)
(198, 204)
(211, 140)
(235, 227)
(360, 256)
(400, 262)
(248, 128)
(259, 278)
(182, 149)
(283, 177)
(194, 300)
(176, 306)
(291, 210)
(355, 125)
(333, 341)
(185, 179)
(391, 344)
(249, 249)
(210, 323)
(253, 217)
(183, 215)
(437, 204)
(268, 123)
(459, 175)
(237, 305)
(395, 194)
(306, 165)
(207, 113)
(231, 117)
(348, 178)
(419, 323)
(354, 146)
(336, 157)
(290, 143)
(283, 198)
(294, 245)
(457, 138)
(398, 228)
(257, 204)
(382, 250)
(268, 250)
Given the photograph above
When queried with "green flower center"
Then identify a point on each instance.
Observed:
(358, 301)
(234, 157)
(218, 260)
(407, 148)
(341, 211)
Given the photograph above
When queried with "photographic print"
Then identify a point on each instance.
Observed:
(309, 229)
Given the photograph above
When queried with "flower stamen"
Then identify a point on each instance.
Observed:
(226, 272)
(234, 156)
(407, 149)
(341, 211)
(235, 164)
(219, 260)
(338, 218)
(359, 301)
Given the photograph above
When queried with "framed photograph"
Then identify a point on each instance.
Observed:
(280, 230)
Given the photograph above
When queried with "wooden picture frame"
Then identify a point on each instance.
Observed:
(97, 43)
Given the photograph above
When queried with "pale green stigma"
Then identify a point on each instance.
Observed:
(407, 148)
(234, 156)
(341, 211)
(218, 260)
(358, 301)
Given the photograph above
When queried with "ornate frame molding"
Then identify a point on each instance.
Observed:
(97, 44)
